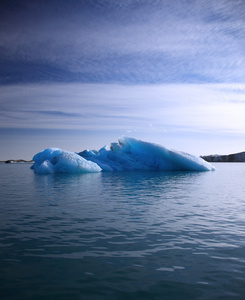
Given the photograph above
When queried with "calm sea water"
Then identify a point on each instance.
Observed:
(138, 235)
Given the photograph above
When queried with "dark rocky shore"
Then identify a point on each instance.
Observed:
(235, 157)
(16, 161)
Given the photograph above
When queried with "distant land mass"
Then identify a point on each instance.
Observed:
(16, 161)
(235, 157)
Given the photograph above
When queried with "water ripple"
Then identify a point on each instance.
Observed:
(144, 233)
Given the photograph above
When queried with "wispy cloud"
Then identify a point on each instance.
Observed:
(149, 41)
(189, 108)
(55, 113)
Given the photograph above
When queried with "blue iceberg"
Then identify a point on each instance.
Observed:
(54, 160)
(127, 155)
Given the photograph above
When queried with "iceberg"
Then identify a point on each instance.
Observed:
(127, 155)
(55, 160)
(131, 154)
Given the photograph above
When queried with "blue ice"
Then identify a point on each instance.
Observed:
(126, 155)
(54, 160)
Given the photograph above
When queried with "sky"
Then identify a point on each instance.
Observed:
(80, 74)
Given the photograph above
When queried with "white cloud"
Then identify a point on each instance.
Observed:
(188, 108)
(204, 38)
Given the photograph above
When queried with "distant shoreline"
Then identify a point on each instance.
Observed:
(230, 158)
(16, 161)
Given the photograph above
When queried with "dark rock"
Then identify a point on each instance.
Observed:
(235, 157)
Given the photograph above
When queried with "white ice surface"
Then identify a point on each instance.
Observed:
(54, 160)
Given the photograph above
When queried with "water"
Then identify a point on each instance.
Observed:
(138, 235)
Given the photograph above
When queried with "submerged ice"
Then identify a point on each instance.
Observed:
(127, 154)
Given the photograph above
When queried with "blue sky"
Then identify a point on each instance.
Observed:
(80, 74)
